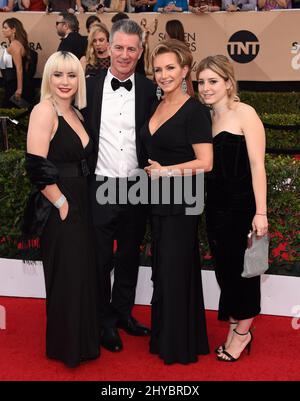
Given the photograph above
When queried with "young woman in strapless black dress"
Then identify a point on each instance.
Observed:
(236, 199)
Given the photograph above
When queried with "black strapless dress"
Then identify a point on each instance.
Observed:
(230, 208)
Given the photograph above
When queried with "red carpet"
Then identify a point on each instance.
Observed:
(274, 355)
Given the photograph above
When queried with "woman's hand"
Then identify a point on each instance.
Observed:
(204, 9)
(154, 169)
(64, 210)
(18, 94)
(260, 225)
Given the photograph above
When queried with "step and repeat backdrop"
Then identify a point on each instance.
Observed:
(264, 46)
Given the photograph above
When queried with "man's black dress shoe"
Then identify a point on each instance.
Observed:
(133, 327)
(110, 339)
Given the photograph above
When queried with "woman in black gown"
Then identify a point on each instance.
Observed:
(236, 199)
(16, 78)
(58, 147)
(178, 142)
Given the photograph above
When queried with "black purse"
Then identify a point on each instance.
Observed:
(256, 258)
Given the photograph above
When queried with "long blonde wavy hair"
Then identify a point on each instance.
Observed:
(91, 57)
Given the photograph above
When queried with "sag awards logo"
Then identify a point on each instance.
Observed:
(295, 51)
(243, 46)
(190, 39)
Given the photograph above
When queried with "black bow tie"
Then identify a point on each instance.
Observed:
(115, 84)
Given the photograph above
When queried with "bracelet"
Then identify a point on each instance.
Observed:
(166, 173)
(260, 214)
(60, 201)
(169, 173)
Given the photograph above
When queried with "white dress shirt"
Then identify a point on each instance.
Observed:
(117, 147)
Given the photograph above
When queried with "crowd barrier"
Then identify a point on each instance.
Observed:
(264, 46)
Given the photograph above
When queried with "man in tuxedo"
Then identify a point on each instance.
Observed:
(119, 101)
(67, 27)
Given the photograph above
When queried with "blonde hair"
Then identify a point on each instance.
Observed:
(220, 65)
(91, 57)
(56, 62)
(180, 49)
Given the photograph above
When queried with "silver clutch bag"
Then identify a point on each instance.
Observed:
(256, 259)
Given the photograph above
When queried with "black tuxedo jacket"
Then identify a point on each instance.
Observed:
(74, 43)
(144, 99)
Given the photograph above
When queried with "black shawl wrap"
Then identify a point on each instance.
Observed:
(41, 173)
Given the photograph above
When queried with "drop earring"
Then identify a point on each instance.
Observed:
(184, 85)
(158, 92)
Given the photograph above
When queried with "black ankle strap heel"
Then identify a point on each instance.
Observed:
(226, 357)
(248, 346)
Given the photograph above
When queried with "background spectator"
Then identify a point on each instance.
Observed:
(175, 30)
(33, 5)
(67, 27)
(62, 5)
(17, 84)
(239, 5)
(119, 16)
(90, 5)
(91, 20)
(143, 6)
(6, 5)
(113, 6)
(204, 6)
(266, 5)
(169, 6)
(97, 57)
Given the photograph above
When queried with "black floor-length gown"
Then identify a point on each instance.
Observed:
(230, 208)
(72, 333)
(178, 326)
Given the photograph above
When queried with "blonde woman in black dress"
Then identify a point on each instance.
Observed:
(178, 140)
(236, 199)
(58, 147)
(97, 57)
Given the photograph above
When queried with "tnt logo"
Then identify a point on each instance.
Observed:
(2, 318)
(243, 46)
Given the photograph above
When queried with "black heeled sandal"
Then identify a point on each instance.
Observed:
(230, 358)
(221, 348)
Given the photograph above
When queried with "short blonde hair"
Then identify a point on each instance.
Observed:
(220, 65)
(180, 49)
(56, 62)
